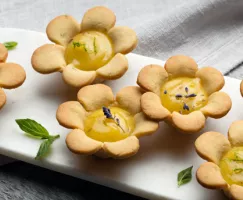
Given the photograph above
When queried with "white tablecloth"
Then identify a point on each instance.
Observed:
(208, 30)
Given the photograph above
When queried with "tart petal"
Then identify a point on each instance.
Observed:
(219, 104)
(71, 114)
(76, 77)
(191, 123)
(78, 142)
(62, 29)
(98, 18)
(11, 75)
(212, 79)
(144, 126)
(209, 176)
(129, 99)
(241, 88)
(3, 53)
(114, 69)
(152, 107)
(48, 58)
(151, 78)
(94, 97)
(124, 39)
(236, 192)
(123, 148)
(212, 146)
(181, 65)
(235, 133)
(2, 98)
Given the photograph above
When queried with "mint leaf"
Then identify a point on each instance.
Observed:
(10, 45)
(33, 128)
(45, 146)
(184, 176)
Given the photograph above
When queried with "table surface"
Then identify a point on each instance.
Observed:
(210, 31)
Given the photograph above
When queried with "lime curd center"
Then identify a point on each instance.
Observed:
(183, 95)
(98, 127)
(89, 50)
(231, 166)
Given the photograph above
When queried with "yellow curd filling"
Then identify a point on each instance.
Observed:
(231, 166)
(117, 127)
(89, 50)
(183, 95)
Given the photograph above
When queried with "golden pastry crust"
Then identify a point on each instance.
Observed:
(93, 97)
(3, 53)
(11, 75)
(61, 30)
(191, 123)
(123, 148)
(212, 79)
(2, 98)
(212, 146)
(48, 58)
(115, 69)
(144, 126)
(181, 65)
(219, 104)
(78, 142)
(72, 114)
(76, 77)
(151, 78)
(236, 192)
(209, 176)
(152, 107)
(235, 133)
(98, 18)
(129, 99)
(124, 39)
(241, 88)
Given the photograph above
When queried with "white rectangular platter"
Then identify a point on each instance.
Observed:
(152, 173)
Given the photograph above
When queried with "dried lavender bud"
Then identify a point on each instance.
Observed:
(186, 89)
(178, 96)
(185, 107)
(117, 121)
(191, 95)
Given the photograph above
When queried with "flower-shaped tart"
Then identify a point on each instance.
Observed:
(11, 75)
(86, 53)
(105, 125)
(183, 95)
(224, 169)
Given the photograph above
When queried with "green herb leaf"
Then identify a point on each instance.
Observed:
(33, 128)
(184, 176)
(45, 146)
(10, 45)
(238, 170)
(76, 44)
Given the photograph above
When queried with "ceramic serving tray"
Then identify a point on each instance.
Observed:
(152, 173)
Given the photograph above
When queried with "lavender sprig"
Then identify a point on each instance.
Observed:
(107, 113)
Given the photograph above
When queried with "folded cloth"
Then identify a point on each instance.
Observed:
(210, 30)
